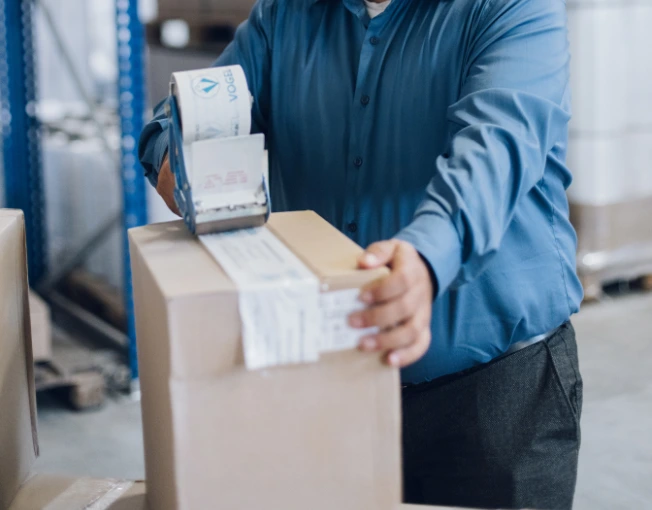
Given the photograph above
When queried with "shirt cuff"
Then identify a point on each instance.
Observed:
(438, 243)
(160, 151)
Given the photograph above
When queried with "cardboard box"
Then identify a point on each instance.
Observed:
(41, 324)
(614, 240)
(49, 492)
(18, 439)
(322, 435)
(20, 489)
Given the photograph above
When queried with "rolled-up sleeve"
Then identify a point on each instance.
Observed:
(510, 114)
(250, 48)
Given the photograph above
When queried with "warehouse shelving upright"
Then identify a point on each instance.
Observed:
(23, 180)
(132, 105)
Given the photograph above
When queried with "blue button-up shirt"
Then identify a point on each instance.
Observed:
(440, 122)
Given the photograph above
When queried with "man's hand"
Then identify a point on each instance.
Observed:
(399, 305)
(165, 186)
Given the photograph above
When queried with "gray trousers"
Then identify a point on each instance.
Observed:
(502, 435)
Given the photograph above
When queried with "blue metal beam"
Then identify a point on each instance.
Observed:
(131, 90)
(20, 128)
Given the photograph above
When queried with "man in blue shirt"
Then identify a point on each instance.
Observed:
(435, 133)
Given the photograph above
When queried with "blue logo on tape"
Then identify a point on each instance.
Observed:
(205, 87)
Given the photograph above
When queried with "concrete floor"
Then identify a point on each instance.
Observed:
(615, 340)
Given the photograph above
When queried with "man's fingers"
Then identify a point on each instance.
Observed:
(399, 304)
(403, 276)
(378, 254)
(407, 355)
(388, 315)
(391, 287)
(400, 336)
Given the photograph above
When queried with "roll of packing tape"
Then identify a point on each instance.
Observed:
(213, 103)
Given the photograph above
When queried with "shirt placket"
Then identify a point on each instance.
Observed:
(358, 155)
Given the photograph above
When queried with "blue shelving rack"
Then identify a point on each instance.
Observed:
(132, 104)
(21, 137)
(20, 128)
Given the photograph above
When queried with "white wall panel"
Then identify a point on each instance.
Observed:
(611, 69)
(610, 169)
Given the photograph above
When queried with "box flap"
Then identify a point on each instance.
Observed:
(170, 250)
(18, 438)
(325, 250)
(177, 261)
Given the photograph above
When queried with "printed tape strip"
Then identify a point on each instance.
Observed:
(90, 494)
(285, 319)
(336, 307)
(278, 297)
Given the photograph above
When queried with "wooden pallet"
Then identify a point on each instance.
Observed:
(97, 296)
(74, 372)
(84, 389)
(614, 244)
(594, 287)
(646, 283)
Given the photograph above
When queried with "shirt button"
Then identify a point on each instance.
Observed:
(357, 162)
(352, 227)
(374, 40)
(365, 100)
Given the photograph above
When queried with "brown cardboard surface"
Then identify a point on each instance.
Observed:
(41, 328)
(604, 228)
(312, 240)
(319, 436)
(47, 491)
(18, 439)
(614, 241)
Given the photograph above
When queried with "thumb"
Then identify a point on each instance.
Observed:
(378, 254)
